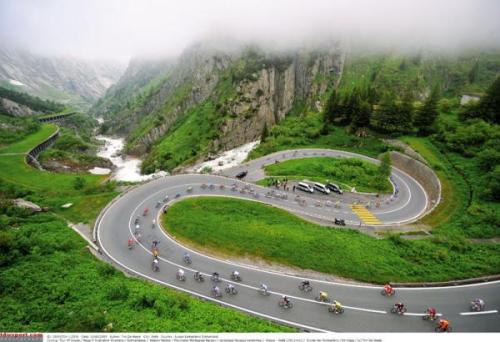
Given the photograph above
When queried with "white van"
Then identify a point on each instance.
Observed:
(305, 187)
(321, 188)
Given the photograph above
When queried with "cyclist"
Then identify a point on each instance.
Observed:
(431, 313)
(145, 212)
(336, 306)
(130, 243)
(230, 288)
(399, 307)
(215, 276)
(156, 266)
(138, 236)
(477, 304)
(263, 288)
(187, 257)
(216, 291)
(286, 301)
(443, 325)
(323, 296)
(180, 273)
(155, 243)
(153, 224)
(236, 275)
(198, 276)
(388, 289)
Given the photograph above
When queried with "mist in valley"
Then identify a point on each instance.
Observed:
(119, 30)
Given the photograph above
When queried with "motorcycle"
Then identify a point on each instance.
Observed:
(339, 222)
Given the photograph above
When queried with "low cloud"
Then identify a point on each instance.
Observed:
(124, 28)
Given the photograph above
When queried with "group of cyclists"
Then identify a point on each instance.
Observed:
(335, 306)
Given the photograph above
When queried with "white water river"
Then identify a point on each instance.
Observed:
(128, 168)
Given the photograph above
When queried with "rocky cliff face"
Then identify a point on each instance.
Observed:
(15, 109)
(62, 79)
(248, 87)
(274, 93)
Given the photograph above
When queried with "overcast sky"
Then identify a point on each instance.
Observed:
(123, 28)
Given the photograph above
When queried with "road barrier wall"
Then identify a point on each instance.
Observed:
(31, 156)
(423, 174)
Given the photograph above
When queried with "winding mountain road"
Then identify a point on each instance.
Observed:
(366, 310)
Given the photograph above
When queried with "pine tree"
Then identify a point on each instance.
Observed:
(330, 110)
(265, 133)
(351, 107)
(362, 117)
(393, 115)
(427, 114)
(489, 106)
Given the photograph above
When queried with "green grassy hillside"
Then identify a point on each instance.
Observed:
(49, 281)
(249, 229)
(348, 173)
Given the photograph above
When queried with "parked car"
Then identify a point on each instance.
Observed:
(334, 188)
(305, 187)
(321, 188)
(242, 174)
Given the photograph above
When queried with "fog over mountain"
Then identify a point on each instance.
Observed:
(119, 29)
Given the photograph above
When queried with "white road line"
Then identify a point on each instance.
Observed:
(478, 313)
(224, 279)
(289, 275)
(419, 314)
(273, 318)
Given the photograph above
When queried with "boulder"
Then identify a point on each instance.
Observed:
(21, 203)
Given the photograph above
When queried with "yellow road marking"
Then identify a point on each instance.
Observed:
(364, 214)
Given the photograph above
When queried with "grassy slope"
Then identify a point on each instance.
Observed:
(52, 189)
(351, 172)
(305, 131)
(239, 227)
(15, 129)
(191, 135)
(396, 72)
(52, 283)
(25, 145)
(455, 215)
(188, 140)
(49, 281)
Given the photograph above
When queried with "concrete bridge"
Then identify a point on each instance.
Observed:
(55, 117)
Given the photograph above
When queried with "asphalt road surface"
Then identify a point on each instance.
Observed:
(366, 310)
